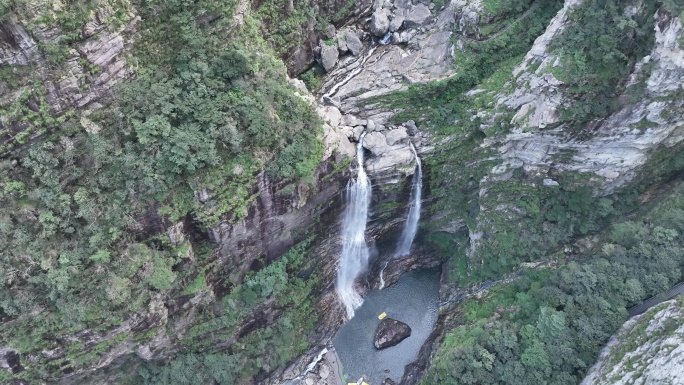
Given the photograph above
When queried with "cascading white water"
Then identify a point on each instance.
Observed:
(411, 224)
(354, 259)
(382, 276)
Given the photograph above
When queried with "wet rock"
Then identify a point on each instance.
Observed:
(353, 43)
(380, 22)
(329, 56)
(388, 381)
(335, 101)
(418, 16)
(390, 332)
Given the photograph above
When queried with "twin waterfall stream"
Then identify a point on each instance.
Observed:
(354, 258)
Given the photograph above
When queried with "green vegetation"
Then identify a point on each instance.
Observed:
(598, 50)
(259, 347)
(548, 326)
(85, 206)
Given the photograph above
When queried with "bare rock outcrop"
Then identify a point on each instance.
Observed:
(329, 56)
(380, 22)
(418, 16)
(648, 349)
(616, 146)
(390, 332)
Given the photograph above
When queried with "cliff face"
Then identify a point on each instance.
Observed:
(55, 74)
(647, 349)
(45, 83)
(612, 148)
(59, 80)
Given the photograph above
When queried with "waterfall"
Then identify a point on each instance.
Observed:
(354, 259)
(411, 224)
(382, 277)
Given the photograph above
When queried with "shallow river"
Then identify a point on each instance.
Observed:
(412, 300)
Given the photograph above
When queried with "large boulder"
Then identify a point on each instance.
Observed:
(353, 43)
(376, 143)
(396, 136)
(390, 332)
(396, 23)
(329, 56)
(380, 22)
(418, 16)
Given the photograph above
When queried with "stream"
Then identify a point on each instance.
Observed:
(413, 300)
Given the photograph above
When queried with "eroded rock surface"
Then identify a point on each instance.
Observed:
(648, 349)
(390, 332)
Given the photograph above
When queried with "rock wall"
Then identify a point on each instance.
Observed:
(73, 80)
(648, 349)
(614, 148)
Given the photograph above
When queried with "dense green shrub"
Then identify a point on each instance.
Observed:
(549, 326)
(598, 50)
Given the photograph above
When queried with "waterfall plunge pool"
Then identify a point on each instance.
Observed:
(412, 300)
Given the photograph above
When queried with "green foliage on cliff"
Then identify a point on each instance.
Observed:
(260, 346)
(84, 211)
(599, 49)
(548, 326)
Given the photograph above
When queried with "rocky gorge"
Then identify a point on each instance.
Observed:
(380, 49)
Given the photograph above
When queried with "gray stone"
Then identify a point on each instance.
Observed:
(396, 23)
(330, 31)
(329, 56)
(395, 136)
(351, 120)
(411, 128)
(390, 332)
(332, 115)
(353, 43)
(324, 371)
(376, 143)
(10, 360)
(342, 43)
(358, 130)
(402, 5)
(380, 22)
(548, 182)
(370, 125)
(396, 38)
(418, 16)
(334, 101)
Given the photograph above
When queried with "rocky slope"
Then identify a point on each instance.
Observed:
(421, 48)
(614, 148)
(647, 349)
(281, 215)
